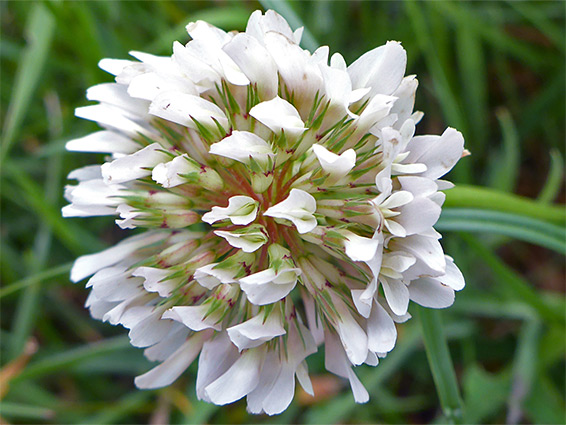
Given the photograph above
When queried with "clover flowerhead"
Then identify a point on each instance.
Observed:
(284, 202)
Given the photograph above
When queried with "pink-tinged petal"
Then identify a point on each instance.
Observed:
(429, 292)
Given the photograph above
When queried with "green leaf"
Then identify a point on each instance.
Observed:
(440, 364)
(485, 393)
(494, 222)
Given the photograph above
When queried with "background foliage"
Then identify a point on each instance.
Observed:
(494, 70)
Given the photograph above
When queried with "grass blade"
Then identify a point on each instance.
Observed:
(40, 29)
(467, 196)
(554, 180)
(441, 364)
(519, 227)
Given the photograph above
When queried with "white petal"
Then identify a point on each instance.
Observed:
(156, 280)
(397, 295)
(115, 117)
(239, 380)
(241, 145)
(216, 357)
(336, 165)
(103, 141)
(429, 292)
(149, 331)
(418, 215)
(360, 248)
(453, 277)
(353, 337)
(194, 318)
(256, 330)
(183, 109)
(299, 208)
(381, 330)
(265, 287)
(438, 153)
(117, 95)
(278, 115)
(382, 68)
(241, 210)
(134, 166)
(168, 174)
(168, 371)
(210, 277)
(88, 264)
(397, 199)
(147, 86)
(255, 62)
(249, 242)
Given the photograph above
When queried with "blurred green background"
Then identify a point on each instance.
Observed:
(494, 70)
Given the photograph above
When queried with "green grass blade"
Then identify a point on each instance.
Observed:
(505, 165)
(282, 7)
(35, 279)
(512, 285)
(40, 29)
(468, 196)
(440, 364)
(68, 357)
(23, 412)
(519, 227)
(554, 180)
(525, 368)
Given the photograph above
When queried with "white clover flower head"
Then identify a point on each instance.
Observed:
(287, 205)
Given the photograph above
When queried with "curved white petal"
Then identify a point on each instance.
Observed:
(278, 115)
(336, 165)
(299, 208)
(430, 292)
(256, 330)
(134, 166)
(168, 371)
(241, 210)
(241, 146)
(183, 109)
